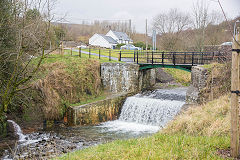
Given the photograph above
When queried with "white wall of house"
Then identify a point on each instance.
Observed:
(120, 41)
(111, 34)
(98, 40)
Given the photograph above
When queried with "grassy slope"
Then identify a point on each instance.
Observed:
(180, 76)
(195, 134)
(66, 80)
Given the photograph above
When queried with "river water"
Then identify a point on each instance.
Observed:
(141, 115)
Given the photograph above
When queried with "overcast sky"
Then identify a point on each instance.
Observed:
(137, 10)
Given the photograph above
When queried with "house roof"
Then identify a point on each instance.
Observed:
(122, 35)
(109, 39)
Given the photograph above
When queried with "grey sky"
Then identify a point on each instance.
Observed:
(137, 10)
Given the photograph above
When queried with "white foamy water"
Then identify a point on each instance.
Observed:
(148, 113)
(18, 131)
(126, 127)
(24, 139)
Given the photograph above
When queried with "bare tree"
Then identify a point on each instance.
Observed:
(28, 30)
(169, 25)
(201, 19)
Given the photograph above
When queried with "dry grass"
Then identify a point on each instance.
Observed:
(211, 119)
(66, 82)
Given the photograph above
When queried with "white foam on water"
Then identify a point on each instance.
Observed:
(144, 114)
(24, 139)
(149, 111)
(127, 127)
(18, 131)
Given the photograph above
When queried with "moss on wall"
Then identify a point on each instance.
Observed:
(97, 112)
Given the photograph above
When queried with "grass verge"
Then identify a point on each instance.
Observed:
(180, 76)
(197, 133)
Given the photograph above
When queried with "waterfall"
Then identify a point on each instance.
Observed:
(148, 112)
(18, 130)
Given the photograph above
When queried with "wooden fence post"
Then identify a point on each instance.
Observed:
(234, 101)
(80, 51)
(110, 55)
(120, 56)
(99, 54)
(89, 55)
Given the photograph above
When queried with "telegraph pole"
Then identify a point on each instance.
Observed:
(146, 35)
(235, 91)
(130, 26)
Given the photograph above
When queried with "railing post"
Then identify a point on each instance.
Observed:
(110, 55)
(163, 57)
(185, 57)
(80, 51)
(174, 60)
(152, 57)
(202, 59)
(137, 57)
(99, 54)
(147, 57)
(192, 58)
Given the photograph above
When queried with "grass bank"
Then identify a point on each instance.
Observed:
(180, 76)
(63, 80)
(197, 133)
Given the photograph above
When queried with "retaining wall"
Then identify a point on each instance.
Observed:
(97, 112)
(126, 77)
(199, 76)
(209, 83)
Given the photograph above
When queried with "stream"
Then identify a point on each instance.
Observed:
(142, 115)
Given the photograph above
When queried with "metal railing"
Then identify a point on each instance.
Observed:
(172, 58)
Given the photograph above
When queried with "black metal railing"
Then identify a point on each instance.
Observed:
(170, 58)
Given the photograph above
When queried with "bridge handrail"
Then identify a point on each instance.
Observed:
(172, 57)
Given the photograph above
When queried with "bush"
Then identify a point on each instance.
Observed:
(142, 45)
(119, 46)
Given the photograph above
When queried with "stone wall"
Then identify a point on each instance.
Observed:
(209, 83)
(97, 112)
(199, 78)
(126, 77)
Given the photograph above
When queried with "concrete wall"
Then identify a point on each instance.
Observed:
(126, 77)
(97, 112)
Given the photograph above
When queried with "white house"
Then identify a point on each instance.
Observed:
(101, 40)
(120, 37)
(110, 40)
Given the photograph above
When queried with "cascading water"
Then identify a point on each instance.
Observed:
(141, 115)
(148, 112)
(18, 131)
